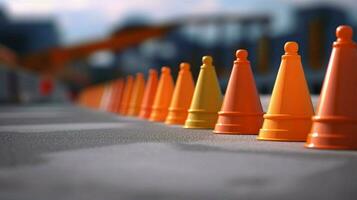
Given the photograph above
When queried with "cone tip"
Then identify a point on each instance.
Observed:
(207, 60)
(242, 54)
(291, 47)
(344, 32)
(165, 70)
(139, 74)
(185, 66)
(152, 71)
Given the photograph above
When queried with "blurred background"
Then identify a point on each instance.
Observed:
(50, 50)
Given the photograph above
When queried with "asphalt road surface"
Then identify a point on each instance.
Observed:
(58, 152)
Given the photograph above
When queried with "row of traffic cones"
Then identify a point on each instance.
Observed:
(290, 116)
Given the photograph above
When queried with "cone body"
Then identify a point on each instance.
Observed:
(113, 95)
(182, 96)
(290, 109)
(91, 97)
(94, 96)
(206, 100)
(241, 111)
(118, 96)
(115, 92)
(149, 94)
(126, 95)
(335, 124)
(137, 95)
(163, 96)
(106, 97)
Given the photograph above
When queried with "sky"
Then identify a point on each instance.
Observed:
(82, 20)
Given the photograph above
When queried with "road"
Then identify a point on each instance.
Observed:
(61, 152)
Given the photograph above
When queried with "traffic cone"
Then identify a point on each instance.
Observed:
(162, 96)
(137, 95)
(335, 125)
(207, 98)
(290, 109)
(94, 99)
(241, 111)
(149, 94)
(126, 95)
(182, 96)
(113, 104)
(107, 97)
(84, 97)
(117, 95)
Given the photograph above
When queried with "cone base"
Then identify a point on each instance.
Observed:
(235, 123)
(156, 120)
(145, 113)
(282, 127)
(176, 118)
(329, 145)
(280, 135)
(233, 129)
(144, 116)
(201, 119)
(158, 115)
(333, 132)
(132, 114)
(198, 124)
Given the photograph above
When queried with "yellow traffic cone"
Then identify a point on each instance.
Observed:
(207, 98)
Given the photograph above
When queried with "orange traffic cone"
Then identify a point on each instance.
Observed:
(207, 98)
(241, 111)
(85, 96)
(126, 95)
(335, 125)
(149, 94)
(182, 96)
(290, 109)
(118, 93)
(137, 95)
(163, 96)
(107, 97)
(95, 96)
(82, 99)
